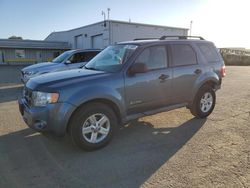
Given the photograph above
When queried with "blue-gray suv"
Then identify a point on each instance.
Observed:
(124, 82)
(71, 59)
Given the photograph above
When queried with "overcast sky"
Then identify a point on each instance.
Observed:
(226, 22)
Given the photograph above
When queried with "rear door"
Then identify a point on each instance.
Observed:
(185, 71)
(152, 89)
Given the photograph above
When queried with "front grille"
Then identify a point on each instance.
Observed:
(27, 94)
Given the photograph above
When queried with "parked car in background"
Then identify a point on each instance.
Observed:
(125, 81)
(71, 59)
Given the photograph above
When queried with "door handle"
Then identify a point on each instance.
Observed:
(197, 71)
(163, 77)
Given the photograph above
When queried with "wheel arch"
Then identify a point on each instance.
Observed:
(212, 82)
(105, 101)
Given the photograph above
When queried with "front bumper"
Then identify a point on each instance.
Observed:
(51, 118)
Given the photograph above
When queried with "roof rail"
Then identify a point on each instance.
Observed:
(181, 37)
(145, 39)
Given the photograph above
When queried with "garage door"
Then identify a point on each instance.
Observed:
(79, 42)
(97, 41)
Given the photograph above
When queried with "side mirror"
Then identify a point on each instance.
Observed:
(138, 68)
(67, 62)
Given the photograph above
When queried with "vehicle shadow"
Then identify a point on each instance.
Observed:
(10, 93)
(29, 159)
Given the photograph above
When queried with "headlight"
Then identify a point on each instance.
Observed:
(29, 73)
(42, 98)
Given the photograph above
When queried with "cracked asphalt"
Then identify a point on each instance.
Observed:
(171, 149)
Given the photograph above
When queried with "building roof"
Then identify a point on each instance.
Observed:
(144, 24)
(121, 22)
(33, 44)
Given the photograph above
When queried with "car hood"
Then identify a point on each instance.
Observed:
(57, 80)
(39, 66)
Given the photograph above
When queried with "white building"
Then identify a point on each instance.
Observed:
(102, 34)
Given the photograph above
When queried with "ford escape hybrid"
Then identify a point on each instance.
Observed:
(125, 81)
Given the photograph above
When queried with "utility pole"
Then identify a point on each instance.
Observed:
(190, 29)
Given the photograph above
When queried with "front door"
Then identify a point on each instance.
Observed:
(152, 89)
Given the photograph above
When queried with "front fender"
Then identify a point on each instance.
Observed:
(96, 92)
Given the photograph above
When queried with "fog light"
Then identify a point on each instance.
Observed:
(40, 124)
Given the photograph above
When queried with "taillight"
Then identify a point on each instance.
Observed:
(223, 71)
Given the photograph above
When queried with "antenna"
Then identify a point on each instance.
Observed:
(104, 15)
(190, 30)
(108, 12)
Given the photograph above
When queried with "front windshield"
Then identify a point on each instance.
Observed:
(61, 57)
(112, 58)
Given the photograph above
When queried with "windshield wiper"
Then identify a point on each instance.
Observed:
(90, 68)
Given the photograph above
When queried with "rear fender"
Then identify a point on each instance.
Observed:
(207, 78)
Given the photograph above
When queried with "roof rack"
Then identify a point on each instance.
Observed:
(181, 37)
(145, 39)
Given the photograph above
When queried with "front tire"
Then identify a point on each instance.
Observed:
(204, 102)
(92, 126)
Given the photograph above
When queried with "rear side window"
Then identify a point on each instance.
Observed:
(153, 57)
(90, 55)
(209, 52)
(183, 54)
(77, 57)
(83, 57)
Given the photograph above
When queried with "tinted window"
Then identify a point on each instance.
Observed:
(90, 55)
(154, 57)
(78, 57)
(209, 52)
(183, 54)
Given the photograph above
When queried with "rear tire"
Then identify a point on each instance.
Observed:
(92, 126)
(204, 102)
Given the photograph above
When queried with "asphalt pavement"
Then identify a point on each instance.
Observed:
(170, 149)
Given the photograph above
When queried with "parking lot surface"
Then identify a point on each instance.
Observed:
(171, 149)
